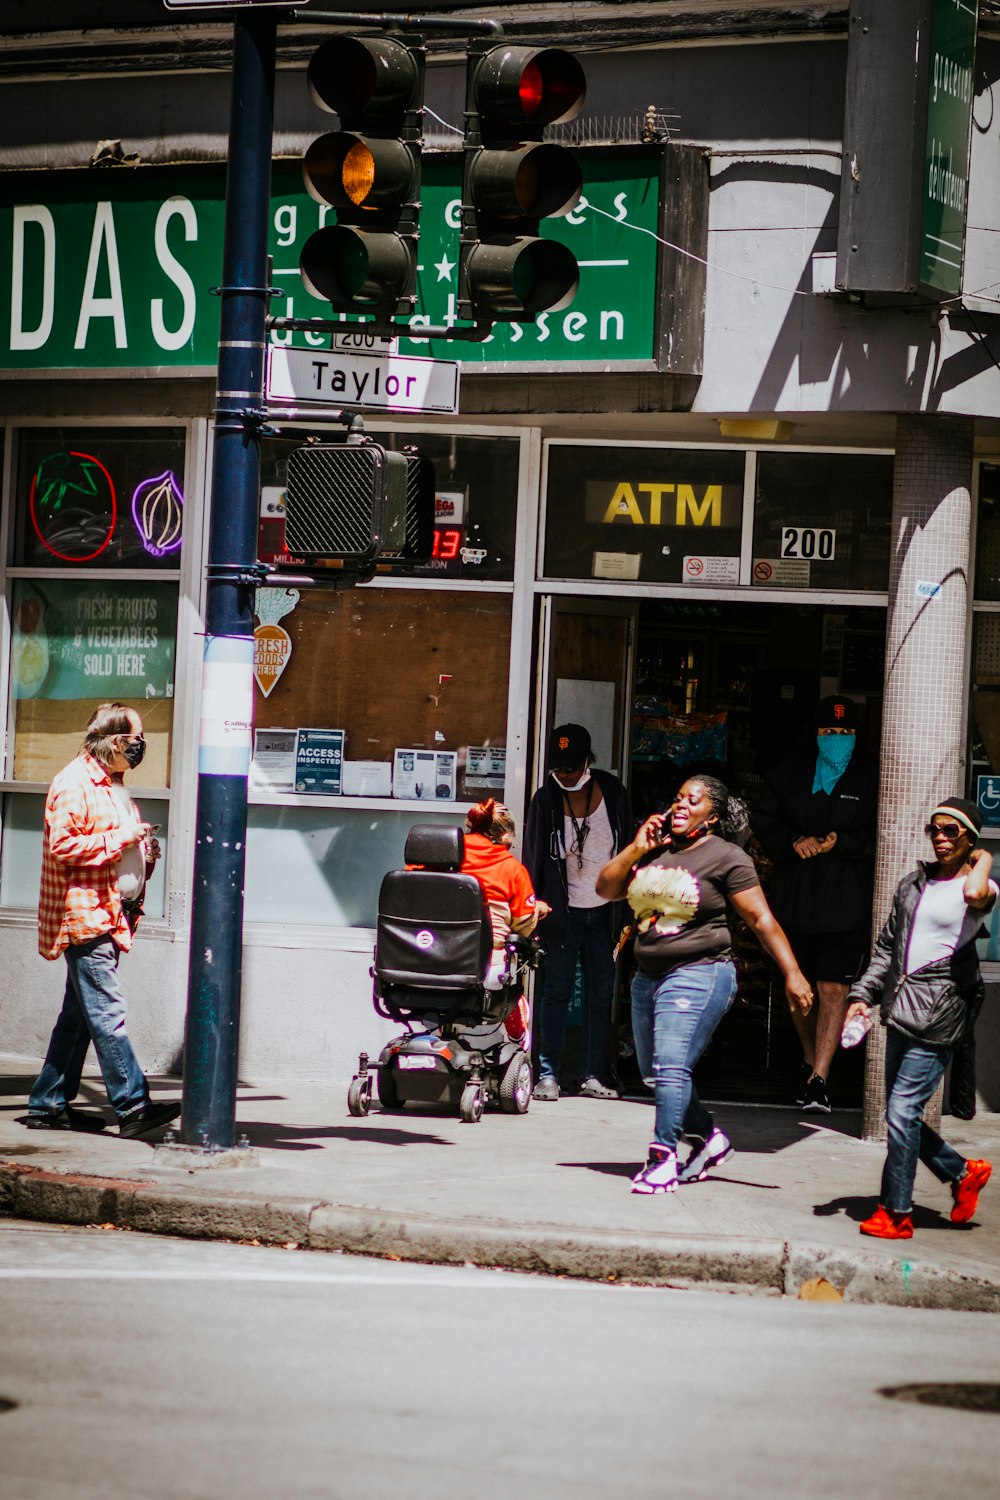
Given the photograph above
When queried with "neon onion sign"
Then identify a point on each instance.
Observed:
(157, 510)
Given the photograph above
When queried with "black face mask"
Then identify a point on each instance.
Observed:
(134, 751)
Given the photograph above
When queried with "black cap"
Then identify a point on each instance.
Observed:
(836, 712)
(569, 746)
(961, 808)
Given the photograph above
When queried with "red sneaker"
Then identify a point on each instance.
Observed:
(966, 1191)
(885, 1225)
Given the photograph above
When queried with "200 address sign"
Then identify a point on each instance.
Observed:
(809, 542)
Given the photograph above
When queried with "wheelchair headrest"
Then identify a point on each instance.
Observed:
(434, 846)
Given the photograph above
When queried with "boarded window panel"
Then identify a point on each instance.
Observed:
(395, 668)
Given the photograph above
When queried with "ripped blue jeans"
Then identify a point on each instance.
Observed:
(673, 1020)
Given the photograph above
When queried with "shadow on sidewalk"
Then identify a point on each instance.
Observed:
(861, 1208)
(17, 1084)
(311, 1138)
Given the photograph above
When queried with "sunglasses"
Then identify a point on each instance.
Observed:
(944, 830)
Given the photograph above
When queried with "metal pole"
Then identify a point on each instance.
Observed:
(215, 966)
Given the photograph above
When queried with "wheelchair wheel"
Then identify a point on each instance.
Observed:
(471, 1104)
(515, 1085)
(359, 1095)
(388, 1094)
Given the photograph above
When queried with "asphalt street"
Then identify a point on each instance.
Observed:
(141, 1366)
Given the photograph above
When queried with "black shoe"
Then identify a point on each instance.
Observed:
(150, 1117)
(816, 1096)
(66, 1119)
(805, 1073)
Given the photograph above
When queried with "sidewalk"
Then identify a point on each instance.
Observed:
(548, 1192)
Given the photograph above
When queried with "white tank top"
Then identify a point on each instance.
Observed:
(132, 865)
(597, 846)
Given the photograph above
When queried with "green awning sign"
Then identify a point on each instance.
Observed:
(950, 93)
(106, 270)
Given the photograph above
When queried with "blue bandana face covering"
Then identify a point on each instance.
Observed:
(835, 751)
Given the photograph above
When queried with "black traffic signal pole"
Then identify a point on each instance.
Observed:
(216, 959)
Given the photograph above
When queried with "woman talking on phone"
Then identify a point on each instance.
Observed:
(680, 875)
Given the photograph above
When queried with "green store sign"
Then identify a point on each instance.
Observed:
(113, 269)
(950, 92)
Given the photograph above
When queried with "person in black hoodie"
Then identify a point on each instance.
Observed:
(816, 818)
(576, 821)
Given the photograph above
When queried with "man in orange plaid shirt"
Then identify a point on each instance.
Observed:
(96, 857)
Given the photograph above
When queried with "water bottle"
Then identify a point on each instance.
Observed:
(855, 1030)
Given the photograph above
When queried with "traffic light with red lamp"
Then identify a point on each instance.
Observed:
(512, 180)
(369, 173)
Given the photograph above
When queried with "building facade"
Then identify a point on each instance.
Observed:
(721, 484)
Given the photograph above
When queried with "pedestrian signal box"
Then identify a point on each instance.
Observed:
(346, 503)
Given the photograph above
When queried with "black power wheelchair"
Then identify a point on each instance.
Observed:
(433, 946)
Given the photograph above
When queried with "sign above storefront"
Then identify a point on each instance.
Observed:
(109, 271)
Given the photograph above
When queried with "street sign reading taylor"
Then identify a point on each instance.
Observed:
(381, 382)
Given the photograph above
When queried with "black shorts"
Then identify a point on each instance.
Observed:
(838, 957)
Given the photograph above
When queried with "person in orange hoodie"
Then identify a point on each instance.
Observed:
(506, 884)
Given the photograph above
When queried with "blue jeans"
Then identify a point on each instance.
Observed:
(588, 934)
(912, 1073)
(93, 1010)
(673, 1019)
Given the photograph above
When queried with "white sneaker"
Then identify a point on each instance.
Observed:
(711, 1153)
(659, 1175)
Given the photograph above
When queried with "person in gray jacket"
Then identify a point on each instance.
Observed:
(924, 975)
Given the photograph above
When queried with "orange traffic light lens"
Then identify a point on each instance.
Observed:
(531, 89)
(358, 173)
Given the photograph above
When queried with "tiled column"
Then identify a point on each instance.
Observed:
(923, 729)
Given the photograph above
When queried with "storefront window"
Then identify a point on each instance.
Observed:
(988, 534)
(21, 867)
(78, 644)
(381, 693)
(86, 505)
(649, 515)
(822, 521)
(476, 490)
(98, 498)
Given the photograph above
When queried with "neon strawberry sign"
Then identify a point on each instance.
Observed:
(158, 513)
(73, 506)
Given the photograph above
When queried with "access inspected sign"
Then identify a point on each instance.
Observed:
(337, 377)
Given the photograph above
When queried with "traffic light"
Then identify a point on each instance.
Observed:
(512, 181)
(346, 503)
(369, 172)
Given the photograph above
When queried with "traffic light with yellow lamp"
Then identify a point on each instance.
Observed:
(369, 173)
(513, 179)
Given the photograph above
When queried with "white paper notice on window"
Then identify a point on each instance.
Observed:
(486, 766)
(273, 764)
(424, 775)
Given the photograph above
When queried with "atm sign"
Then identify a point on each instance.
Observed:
(662, 503)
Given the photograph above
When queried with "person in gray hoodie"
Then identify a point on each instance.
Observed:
(924, 976)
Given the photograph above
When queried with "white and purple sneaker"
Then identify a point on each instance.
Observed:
(659, 1175)
(711, 1153)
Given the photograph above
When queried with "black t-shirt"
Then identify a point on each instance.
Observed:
(678, 898)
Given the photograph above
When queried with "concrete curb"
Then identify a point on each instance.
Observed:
(773, 1266)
